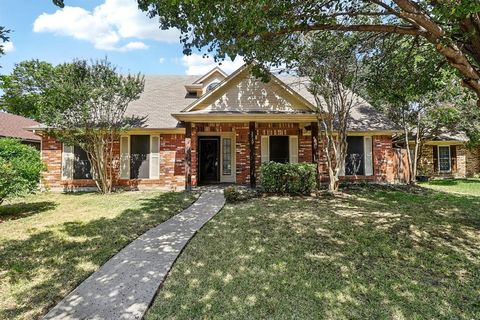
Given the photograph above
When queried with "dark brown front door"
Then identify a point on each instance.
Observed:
(209, 152)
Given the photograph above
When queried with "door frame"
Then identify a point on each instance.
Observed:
(204, 138)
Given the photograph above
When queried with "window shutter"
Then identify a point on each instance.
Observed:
(367, 149)
(453, 157)
(67, 162)
(293, 148)
(435, 158)
(154, 157)
(265, 149)
(125, 157)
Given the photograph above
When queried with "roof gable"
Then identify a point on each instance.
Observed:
(242, 92)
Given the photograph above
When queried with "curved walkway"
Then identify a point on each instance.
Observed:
(125, 285)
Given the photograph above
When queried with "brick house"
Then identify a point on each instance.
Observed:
(447, 156)
(219, 128)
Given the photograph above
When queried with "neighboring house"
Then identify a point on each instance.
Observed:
(448, 156)
(13, 126)
(219, 129)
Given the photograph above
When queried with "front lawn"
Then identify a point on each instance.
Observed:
(49, 243)
(463, 186)
(374, 253)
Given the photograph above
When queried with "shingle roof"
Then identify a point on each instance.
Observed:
(166, 95)
(163, 95)
(14, 126)
(364, 117)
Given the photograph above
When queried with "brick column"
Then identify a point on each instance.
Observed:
(188, 156)
(251, 139)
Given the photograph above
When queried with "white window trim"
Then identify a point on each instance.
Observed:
(342, 167)
(128, 157)
(449, 159)
(151, 175)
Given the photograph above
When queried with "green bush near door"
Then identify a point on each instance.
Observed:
(290, 178)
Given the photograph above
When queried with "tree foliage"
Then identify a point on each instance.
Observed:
(330, 64)
(26, 89)
(413, 87)
(251, 28)
(20, 168)
(85, 105)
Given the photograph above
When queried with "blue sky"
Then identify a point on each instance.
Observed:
(91, 29)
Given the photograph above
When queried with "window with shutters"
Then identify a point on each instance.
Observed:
(444, 160)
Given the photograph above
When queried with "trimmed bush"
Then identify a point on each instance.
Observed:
(237, 193)
(290, 178)
(20, 168)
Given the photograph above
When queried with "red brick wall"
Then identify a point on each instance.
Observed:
(172, 156)
(172, 173)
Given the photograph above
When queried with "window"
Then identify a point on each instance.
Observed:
(227, 156)
(354, 160)
(279, 149)
(139, 157)
(444, 161)
(212, 86)
(81, 165)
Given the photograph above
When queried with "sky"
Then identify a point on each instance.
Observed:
(95, 29)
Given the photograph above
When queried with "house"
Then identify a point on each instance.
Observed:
(13, 126)
(447, 156)
(219, 128)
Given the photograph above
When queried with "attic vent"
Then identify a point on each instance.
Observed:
(212, 86)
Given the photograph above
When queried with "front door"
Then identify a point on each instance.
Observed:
(209, 156)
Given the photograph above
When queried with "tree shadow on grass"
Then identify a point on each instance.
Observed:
(374, 253)
(24, 209)
(43, 268)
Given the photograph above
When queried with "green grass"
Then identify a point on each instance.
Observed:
(49, 243)
(373, 253)
(463, 186)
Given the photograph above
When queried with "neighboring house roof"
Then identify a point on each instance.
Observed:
(14, 126)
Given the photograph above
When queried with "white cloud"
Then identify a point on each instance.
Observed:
(196, 64)
(106, 26)
(8, 47)
(161, 60)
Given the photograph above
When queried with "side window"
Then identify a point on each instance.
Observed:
(139, 157)
(227, 156)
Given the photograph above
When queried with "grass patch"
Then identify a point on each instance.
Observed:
(49, 243)
(462, 186)
(371, 253)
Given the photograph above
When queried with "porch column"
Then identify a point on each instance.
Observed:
(314, 126)
(188, 156)
(251, 138)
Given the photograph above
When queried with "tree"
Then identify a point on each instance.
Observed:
(20, 168)
(85, 105)
(25, 89)
(330, 64)
(3, 38)
(251, 28)
(409, 83)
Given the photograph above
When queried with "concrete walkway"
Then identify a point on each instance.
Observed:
(124, 287)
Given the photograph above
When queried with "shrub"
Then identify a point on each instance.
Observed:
(291, 178)
(236, 193)
(20, 168)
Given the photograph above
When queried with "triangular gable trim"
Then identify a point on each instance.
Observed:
(232, 76)
(216, 69)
